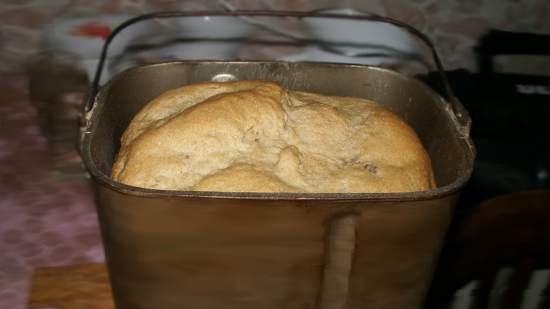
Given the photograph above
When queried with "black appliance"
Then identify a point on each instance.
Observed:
(510, 114)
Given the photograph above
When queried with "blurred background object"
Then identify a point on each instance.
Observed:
(510, 114)
(497, 256)
(497, 252)
(455, 26)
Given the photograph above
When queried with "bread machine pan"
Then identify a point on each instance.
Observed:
(178, 249)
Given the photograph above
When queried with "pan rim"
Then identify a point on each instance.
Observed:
(105, 180)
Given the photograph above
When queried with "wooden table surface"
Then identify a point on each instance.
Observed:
(71, 287)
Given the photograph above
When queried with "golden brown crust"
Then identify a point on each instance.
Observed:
(255, 136)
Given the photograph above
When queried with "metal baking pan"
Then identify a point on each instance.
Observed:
(182, 249)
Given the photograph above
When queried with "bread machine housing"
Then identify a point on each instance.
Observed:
(175, 249)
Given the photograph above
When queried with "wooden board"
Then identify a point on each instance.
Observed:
(71, 287)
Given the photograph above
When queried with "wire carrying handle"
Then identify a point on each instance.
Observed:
(448, 92)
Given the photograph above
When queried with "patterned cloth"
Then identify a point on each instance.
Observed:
(44, 221)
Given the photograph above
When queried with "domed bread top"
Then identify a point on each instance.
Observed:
(255, 136)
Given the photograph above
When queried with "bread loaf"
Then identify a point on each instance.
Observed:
(255, 136)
